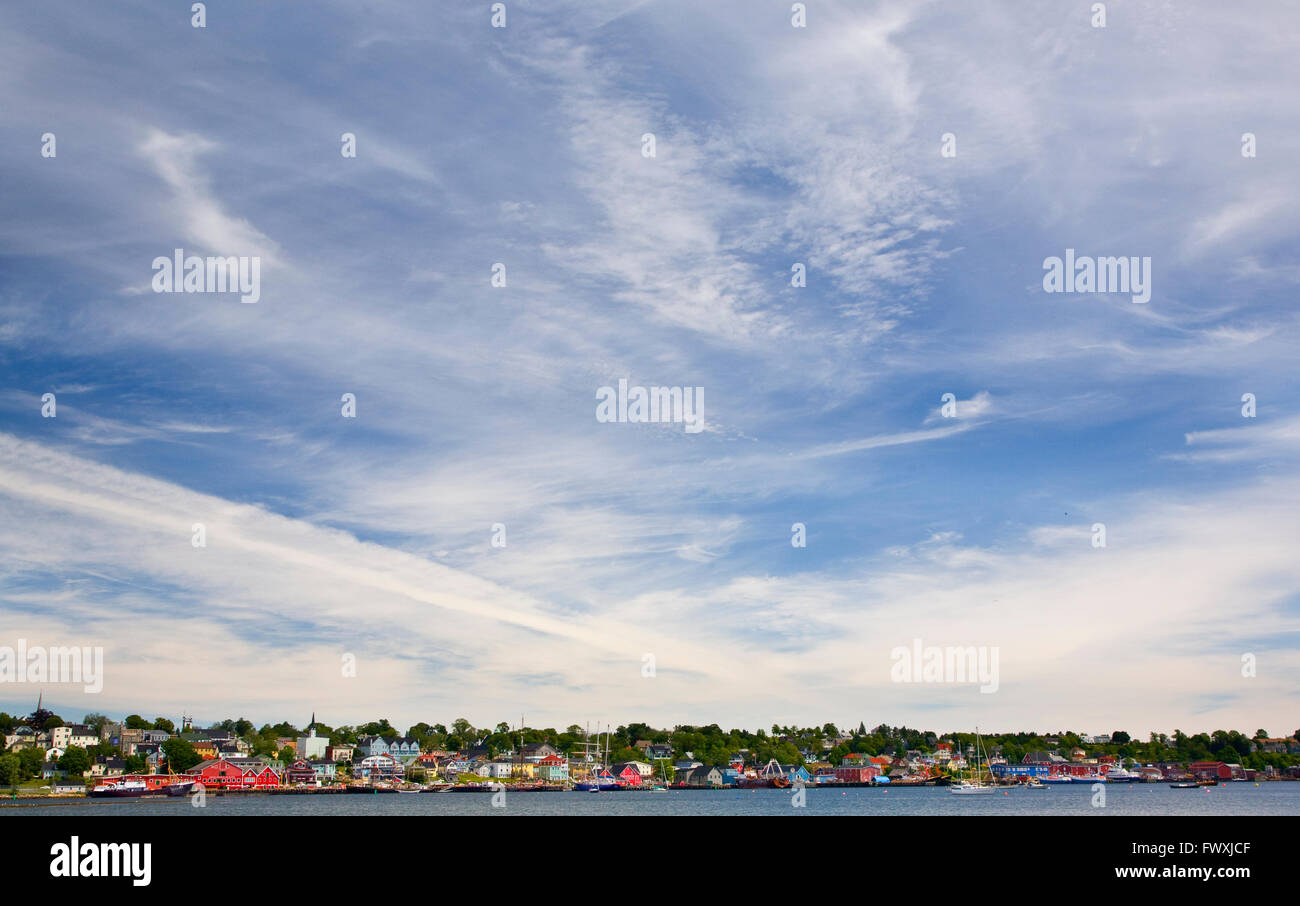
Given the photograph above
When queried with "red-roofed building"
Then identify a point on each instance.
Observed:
(225, 774)
(626, 774)
(553, 768)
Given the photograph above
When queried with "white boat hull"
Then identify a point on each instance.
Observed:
(971, 790)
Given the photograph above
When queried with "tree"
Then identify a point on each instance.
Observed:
(38, 718)
(136, 722)
(1119, 737)
(162, 723)
(29, 763)
(75, 761)
(9, 769)
(180, 755)
(95, 721)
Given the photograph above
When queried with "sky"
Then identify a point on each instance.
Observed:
(648, 573)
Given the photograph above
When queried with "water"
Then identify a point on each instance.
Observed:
(1277, 798)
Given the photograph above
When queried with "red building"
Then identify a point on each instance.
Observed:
(855, 774)
(627, 775)
(226, 774)
(1074, 769)
(302, 772)
(1210, 770)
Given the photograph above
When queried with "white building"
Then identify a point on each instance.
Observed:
(73, 735)
(312, 747)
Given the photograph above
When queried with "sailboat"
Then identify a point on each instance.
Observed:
(973, 785)
(601, 780)
(660, 787)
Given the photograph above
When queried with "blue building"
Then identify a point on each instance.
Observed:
(796, 773)
(1020, 770)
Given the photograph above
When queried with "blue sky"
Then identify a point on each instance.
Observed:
(475, 404)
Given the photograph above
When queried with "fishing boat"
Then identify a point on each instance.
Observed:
(1034, 785)
(131, 786)
(770, 777)
(973, 785)
(121, 789)
(1120, 774)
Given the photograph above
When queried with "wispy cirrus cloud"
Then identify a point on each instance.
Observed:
(775, 146)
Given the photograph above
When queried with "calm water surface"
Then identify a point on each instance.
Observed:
(1121, 799)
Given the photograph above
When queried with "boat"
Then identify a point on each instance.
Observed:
(770, 777)
(121, 789)
(179, 788)
(661, 787)
(1034, 785)
(973, 786)
(1120, 774)
(1183, 786)
(1088, 778)
(602, 780)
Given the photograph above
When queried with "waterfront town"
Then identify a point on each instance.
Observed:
(45, 756)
